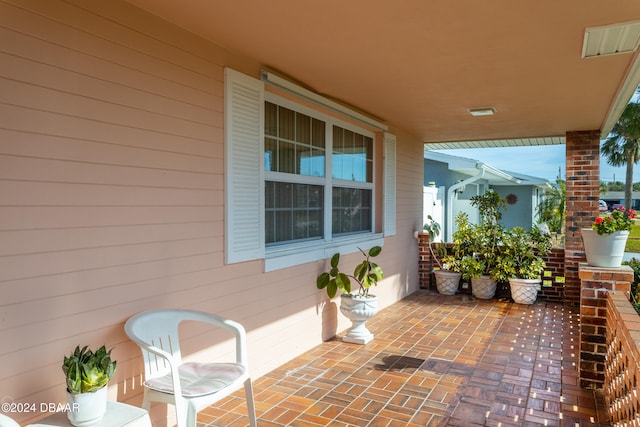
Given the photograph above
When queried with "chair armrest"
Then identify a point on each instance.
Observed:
(237, 329)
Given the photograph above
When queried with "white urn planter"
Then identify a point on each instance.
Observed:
(86, 409)
(524, 291)
(447, 281)
(358, 309)
(483, 287)
(605, 250)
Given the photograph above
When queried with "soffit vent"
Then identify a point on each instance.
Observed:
(611, 39)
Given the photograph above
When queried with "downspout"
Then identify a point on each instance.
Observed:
(450, 193)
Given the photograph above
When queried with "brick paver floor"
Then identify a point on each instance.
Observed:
(435, 361)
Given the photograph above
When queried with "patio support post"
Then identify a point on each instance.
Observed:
(583, 193)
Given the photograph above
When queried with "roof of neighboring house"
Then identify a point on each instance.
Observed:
(493, 175)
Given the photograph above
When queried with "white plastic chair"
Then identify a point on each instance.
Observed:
(189, 386)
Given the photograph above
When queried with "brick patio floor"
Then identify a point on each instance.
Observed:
(435, 361)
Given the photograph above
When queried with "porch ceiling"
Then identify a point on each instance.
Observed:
(420, 65)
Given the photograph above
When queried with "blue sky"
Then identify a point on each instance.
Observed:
(540, 161)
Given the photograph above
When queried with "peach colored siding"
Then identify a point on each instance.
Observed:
(111, 199)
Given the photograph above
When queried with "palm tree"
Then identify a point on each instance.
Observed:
(551, 210)
(622, 147)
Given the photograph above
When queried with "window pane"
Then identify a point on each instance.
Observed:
(286, 123)
(303, 128)
(350, 156)
(270, 119)
(270, 154)
(351, 210)
(296, 212)
(286, 157)
(318, 129)
(294, 142)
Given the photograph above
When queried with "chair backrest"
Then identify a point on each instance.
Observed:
(159, 329)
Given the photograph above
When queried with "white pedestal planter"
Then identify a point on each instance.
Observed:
(483, 287)
(605, 250)
(524, 291)
(358, 309)
(447, 281)
(87, 408)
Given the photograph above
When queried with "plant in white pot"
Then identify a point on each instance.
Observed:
(447, 273)
(483, 243)
(360, 306)
(521, 262)
(87, 374)
(605, 241)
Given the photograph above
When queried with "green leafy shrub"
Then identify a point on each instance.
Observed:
(366, 274)
(634, 296)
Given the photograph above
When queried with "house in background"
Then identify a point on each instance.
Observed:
(616, 198)
(458, 179)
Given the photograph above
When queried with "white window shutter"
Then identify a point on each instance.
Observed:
(244, 141)
(389, 184)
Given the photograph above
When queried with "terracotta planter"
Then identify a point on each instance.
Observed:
(524, 291)
(358, 309)
(447, 281)
(605, 250)
(483, 287)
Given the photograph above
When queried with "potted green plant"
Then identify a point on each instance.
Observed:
(521, 262)
(87, 374)
(605, 241)
(360, 306)
(482, 244)
(447, 273)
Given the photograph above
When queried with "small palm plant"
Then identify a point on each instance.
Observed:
(87, 371)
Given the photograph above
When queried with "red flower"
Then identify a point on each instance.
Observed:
(619, 219)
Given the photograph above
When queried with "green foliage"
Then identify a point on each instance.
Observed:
(88, 371)
(366, 274)
(617, 220)
(634, 296)
(552, 209)
(472, 267)
(431, 227)
(451, 263)
(490, 249)
(490, 205)
(622, 148)
(478, 244)
(521, 254)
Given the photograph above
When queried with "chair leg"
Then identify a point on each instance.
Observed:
(251, 408)
(146, 402)
(192, 417)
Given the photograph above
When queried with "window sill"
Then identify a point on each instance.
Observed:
(281, 257)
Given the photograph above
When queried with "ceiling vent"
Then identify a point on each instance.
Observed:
(488, 111)
(611, 39)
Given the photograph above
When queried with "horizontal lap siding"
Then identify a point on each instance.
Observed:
(111, 176)
(111, 198)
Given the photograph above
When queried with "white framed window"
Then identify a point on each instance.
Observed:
(315, 177)
(318, 175)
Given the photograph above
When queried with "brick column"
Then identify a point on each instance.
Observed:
(425, 263)
(583, 193)
(596, 282)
